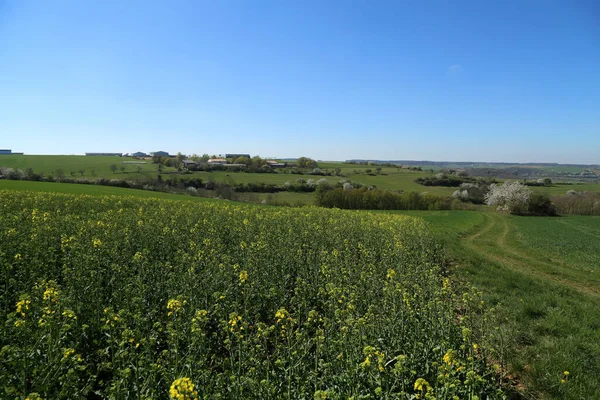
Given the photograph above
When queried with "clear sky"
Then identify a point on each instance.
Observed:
(333, 80)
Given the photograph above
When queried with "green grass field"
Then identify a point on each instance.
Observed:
(93, 190)
(542, 276)
(48, 165)
(390, 178)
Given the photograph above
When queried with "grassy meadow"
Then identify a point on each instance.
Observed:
(49, 164)
(396, 179)
(123, 297)
(541, 275)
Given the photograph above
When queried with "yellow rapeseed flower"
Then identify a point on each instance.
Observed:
(22, 306)
(69, 314)
(67, 353)
(51, 294)
(449, 357)
(391, 273)
(174, 306)
(243, 276)
(183, 389)
(422, 385)
(367, 363)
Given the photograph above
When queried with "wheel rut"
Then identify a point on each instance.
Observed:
(491, 243)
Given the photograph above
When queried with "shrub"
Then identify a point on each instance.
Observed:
(509, 197)
(377, 199)
(586, 203)
(210, 185)
(442, 179)
(11, 173)
(540, 204)
(472, 192)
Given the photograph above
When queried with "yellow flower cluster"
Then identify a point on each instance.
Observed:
(371, 352)
(183, 389)
(51, 294)
(423, 387)
(22, 307)
(564, 377)
(449, 357)
(234, 320)
(69, 314)
(67, 353)
(174, 306)
(243, 276)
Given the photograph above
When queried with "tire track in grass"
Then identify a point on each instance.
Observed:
(490, 242)
(487, 226)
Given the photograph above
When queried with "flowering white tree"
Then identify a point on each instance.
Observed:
(511, 197)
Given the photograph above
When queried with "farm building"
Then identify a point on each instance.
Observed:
(160, 154)
(187, 163)
(5, 151)
(219, 161)
(139, 154)
(275, 164)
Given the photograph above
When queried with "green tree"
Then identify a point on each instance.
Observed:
(305, 162)
(113, 168)
(179, 160)
(81, 171)
(243, 160)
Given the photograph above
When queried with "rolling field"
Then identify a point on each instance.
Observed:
(92, 190)
(542, 276)
(123, 297)
(48, 165)
(98, 190)
(563, 189)
(390, 178)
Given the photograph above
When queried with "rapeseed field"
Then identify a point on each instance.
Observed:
(121, 298)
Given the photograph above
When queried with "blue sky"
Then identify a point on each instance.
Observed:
(448, 80)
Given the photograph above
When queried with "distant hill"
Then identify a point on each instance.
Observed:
(473, 163)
